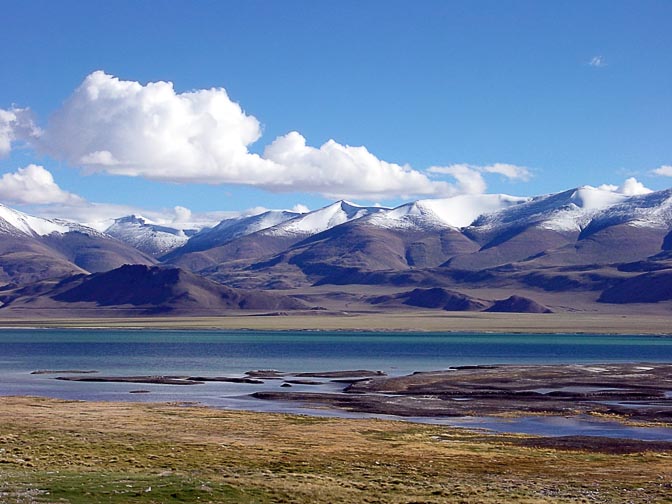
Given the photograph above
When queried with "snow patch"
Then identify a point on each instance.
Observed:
(19, 223)
(322, 219)
(454, 212)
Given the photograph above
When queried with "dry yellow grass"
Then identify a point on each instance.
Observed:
(64, 451)
(394, 321)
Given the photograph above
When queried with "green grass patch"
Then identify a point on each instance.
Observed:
(120, 488)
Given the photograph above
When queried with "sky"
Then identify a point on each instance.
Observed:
(191, 111)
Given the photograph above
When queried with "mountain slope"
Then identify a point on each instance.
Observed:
(146, 236)
(32, 248)
(141, 289)
(230, 229)
(242, 243)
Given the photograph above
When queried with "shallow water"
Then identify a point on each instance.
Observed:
(231, 353)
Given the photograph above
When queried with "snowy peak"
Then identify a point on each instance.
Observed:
(132, 219)
(593, 198)
(241, 226)
(455, 212)
(237, 227)
(146, 236)
(576, 209)
(653, 210)
(15, 223)
(322, 219)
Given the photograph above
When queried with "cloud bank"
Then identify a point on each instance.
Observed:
(34, 188)
(151, 131)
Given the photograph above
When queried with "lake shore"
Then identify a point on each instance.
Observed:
(416, 321)
(72, 451)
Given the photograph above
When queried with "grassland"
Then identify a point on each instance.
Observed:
(82, 452)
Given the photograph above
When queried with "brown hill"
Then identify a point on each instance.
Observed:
(142, 289)
(649, 287)
(432, 298)
(518, 304)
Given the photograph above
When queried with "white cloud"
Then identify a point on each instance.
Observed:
(597, 61)
(15, 124)
(151, 131)
(337, 170)
(664, 170)
(182, 214)
(470, 177)
(512, 172)
(126, 128)
(33, 185)
(633, 187)
(630, 187)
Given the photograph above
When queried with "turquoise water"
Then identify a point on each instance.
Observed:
(165, 352)
(231, 353)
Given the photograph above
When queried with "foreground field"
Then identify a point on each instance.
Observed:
(417, 320)
(78, 452)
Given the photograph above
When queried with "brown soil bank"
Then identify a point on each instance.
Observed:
(641, 392)
(77, 452)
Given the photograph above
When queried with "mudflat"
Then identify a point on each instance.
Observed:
(416, 320)
(628, 392)
(86, 452)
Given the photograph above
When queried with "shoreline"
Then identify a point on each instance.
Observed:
(411, 321)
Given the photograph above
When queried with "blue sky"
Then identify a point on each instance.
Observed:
(568, 93)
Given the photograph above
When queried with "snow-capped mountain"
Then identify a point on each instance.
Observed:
(653, 210)
(151, 238)
(16, 223)
(33, 248)
(322, 219)
(576, 210)
(570, 210)
(455, 212)
(230, 229)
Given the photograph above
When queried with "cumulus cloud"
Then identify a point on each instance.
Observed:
(470, 177)
(15, 124)
(182, 214)
(633, 187)
(33, 185)
(151, 131)
(630, 187)
(338, 170)
(664, 171)
(126, 128)
(597, 61)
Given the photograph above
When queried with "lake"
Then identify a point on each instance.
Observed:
(232, 353)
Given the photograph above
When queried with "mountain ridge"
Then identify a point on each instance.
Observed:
(586, 241)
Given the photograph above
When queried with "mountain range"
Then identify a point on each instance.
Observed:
(582, 249)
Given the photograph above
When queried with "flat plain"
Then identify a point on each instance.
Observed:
(85, 452)
(412, 320)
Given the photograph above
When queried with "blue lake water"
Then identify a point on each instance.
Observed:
(231, 353)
